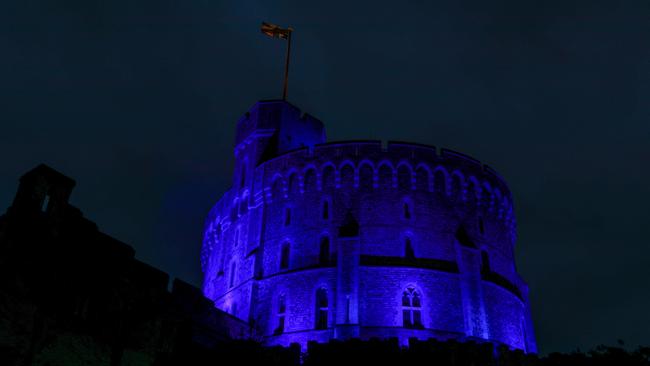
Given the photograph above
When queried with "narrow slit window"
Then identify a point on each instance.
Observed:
(408, 249)
(347, 309)
(321, 309)
(287, 216)
(407, 210)
(282, 310)
(326, 210)
(284, 256)
(324, 257)
(233, 270)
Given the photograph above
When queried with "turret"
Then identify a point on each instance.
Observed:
(269, 129)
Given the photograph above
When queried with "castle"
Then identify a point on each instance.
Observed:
(321, 240)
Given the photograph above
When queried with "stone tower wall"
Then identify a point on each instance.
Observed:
(455, 213)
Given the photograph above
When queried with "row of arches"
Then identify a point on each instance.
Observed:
(411, 306)
(454, 185)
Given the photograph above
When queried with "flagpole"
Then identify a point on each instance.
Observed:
(286, 66)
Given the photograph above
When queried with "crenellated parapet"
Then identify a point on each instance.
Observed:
(398, 165)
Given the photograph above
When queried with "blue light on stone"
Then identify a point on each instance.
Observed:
(402, 240)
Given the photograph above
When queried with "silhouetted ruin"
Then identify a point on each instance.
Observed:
(66, 288)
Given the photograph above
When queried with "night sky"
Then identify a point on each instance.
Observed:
(138, 100)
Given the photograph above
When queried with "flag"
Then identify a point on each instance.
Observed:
(275, 31)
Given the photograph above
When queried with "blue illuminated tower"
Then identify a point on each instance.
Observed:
(321, 240)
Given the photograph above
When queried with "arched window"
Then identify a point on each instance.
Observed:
(282, 310)
(287, 216)
(277, 189)
(293, 183)
(421, 179)
(472, 192)
(321, 309)
(439, 182)
(486, 197)
(329, 177)
(481, 225)
(347, 176)
(385, 176)
(310, 180)
(404, 177)
(407, 210)
(324, 257)
(411, 308)
(326, 210)
(408, 248)
(456, 187)
(284, 256)
(366, 176)
(233, 270)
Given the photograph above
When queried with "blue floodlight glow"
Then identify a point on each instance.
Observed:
(411, 242)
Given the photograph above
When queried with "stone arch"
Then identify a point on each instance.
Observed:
(487, 196)
(278, 187)
(404, 176)
(293, 183)
(501, 209)
(423, 177)
(440, 177)
(457, 188)
(411, 304)
(347, 173)
(385, 174)
(328, 176)
(473, 190)
(366, 174)
(310, 179)
(497, 196)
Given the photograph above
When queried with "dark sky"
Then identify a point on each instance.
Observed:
(137, 100)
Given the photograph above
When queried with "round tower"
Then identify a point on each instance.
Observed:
(316, 240)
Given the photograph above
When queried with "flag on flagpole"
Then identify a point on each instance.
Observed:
(275, 31)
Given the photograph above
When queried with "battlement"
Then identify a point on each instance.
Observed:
(397, 152)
